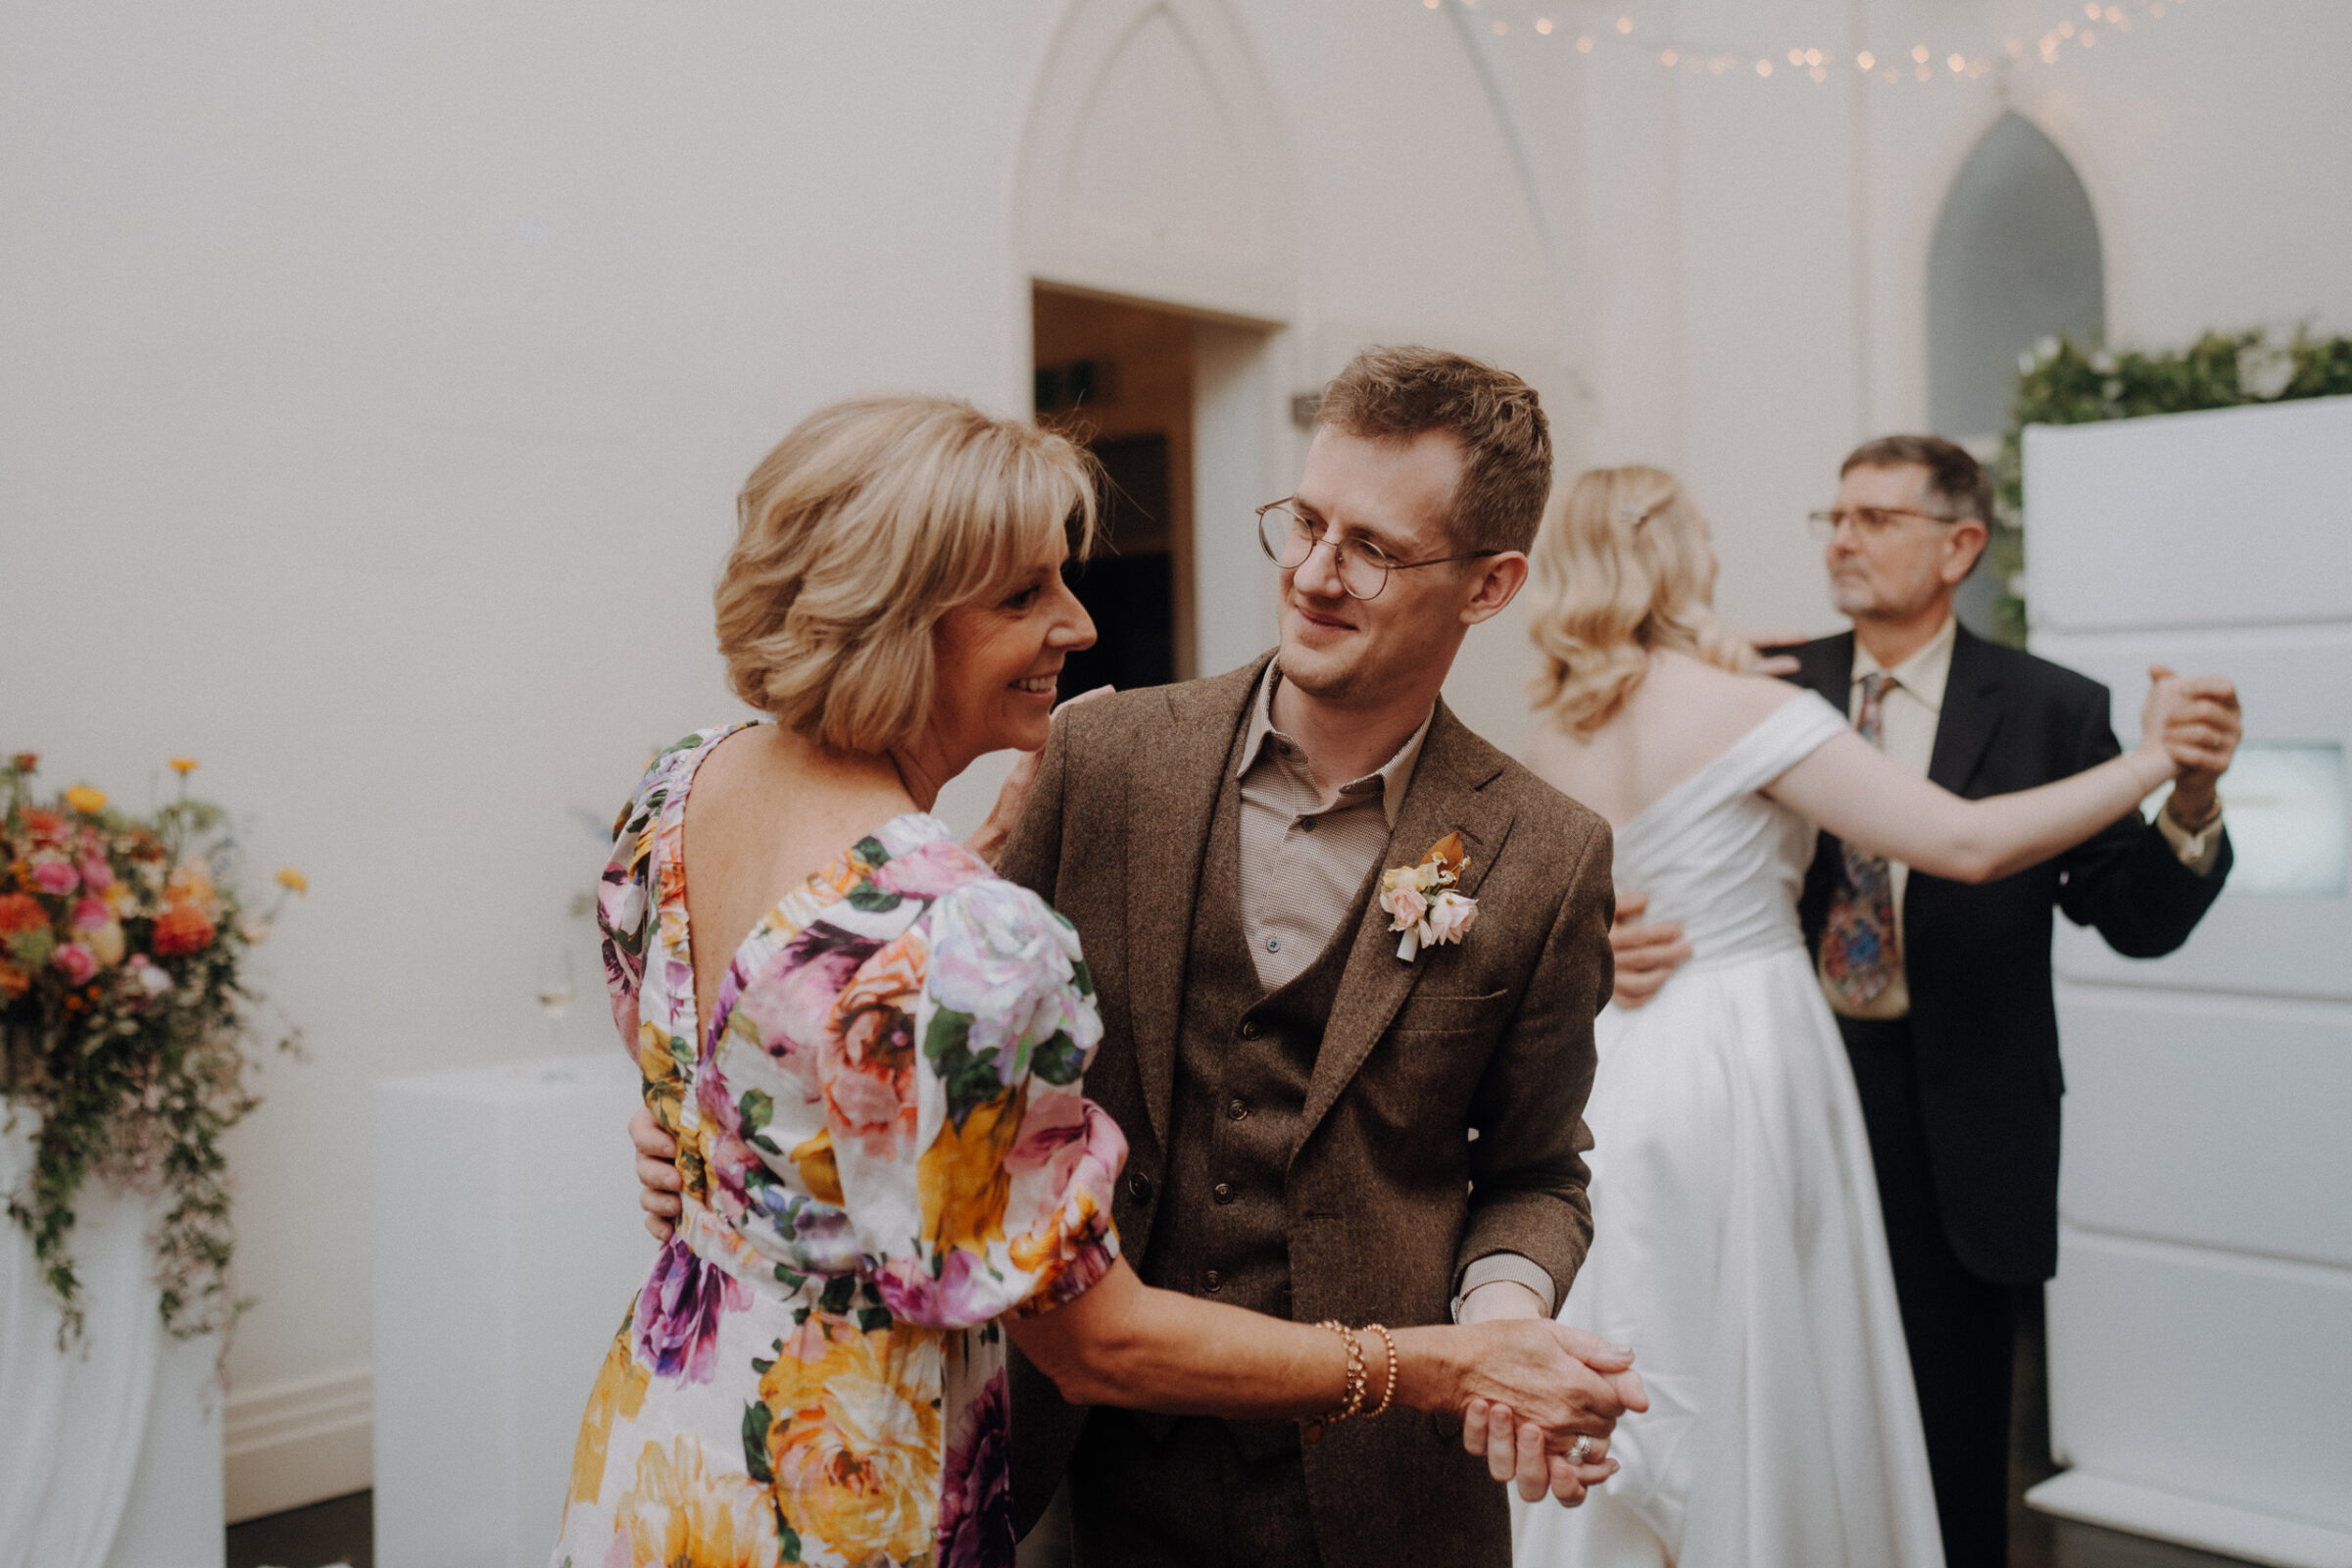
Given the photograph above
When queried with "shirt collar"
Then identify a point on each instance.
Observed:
(1394, 777)
(1924, 673)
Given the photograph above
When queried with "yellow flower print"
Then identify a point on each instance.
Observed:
(85, 799)
(819, 1171)
(854, 1442)
(678, 1517)
(619, 1392)
(664, 1076)
(961, 1177)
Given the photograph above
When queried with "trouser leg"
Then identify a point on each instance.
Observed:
(1961, 1330)
(1146, 1493)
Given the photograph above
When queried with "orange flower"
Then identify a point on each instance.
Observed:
(182, 929)
(22, 911)
(183, 765)
(26, 761)
(293, 881)
(14, 982)
(85, 799)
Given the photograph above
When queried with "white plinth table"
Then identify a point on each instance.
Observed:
(110, 1450)
(508, 1244)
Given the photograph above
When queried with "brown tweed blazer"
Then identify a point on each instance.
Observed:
(1444, 1117)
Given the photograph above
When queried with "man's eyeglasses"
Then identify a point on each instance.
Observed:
(1288, 539)
(1869, 522)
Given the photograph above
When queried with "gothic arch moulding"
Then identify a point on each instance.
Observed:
(1155, 163)
(2015, 258)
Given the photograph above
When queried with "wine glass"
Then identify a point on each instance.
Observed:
(554, 992)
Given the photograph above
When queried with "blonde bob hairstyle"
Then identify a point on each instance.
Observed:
(864, 527)
(1622, 566)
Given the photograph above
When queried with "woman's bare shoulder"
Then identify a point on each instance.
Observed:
(1705, 690)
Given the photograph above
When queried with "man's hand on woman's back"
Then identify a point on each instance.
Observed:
(1646, 951)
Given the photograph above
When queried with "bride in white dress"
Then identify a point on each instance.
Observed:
(1737, 1239)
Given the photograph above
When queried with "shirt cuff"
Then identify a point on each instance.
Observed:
(2198, 850)
(1510, 1266)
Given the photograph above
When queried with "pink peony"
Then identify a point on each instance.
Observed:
(96, 874)
(77, 961)
(91, 913)
(54, 876)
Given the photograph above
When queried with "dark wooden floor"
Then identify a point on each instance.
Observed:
(339, 1530)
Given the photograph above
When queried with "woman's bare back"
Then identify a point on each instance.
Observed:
(1684, 714)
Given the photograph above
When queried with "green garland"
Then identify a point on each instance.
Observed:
(2061, 382)
(122, 1026)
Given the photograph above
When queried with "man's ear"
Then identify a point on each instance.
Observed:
(1498, 585)
(1968, 538)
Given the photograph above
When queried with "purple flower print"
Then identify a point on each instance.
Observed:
(678, 1313)
(966, 1293)
(975, 1503)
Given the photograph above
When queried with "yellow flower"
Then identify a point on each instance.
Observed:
(961, 1177)
(619, 1392)
(292, 881)
(854, 1442)
(183, 765)
(85, 799)
(677, 1515)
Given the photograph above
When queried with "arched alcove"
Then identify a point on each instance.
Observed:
(2015, 258)
(1154, 164)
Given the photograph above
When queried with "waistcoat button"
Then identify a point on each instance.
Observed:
(1139, 1187)
(1224, 1191)
(1250, 1029)
(1213, 1280)
(1237, 1111)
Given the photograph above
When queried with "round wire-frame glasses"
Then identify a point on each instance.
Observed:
(1289, 540)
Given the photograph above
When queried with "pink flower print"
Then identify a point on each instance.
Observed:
(54, 876)
(77, 961)
(966, 1293)
(930, 870)
(728, 1159)
(975, 1502)
(678, 1313)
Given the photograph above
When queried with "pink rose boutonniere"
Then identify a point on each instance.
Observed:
(1420, 900)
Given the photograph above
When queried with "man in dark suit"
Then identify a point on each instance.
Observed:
(1950, 1026)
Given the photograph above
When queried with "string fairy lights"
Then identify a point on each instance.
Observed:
(2081, 28)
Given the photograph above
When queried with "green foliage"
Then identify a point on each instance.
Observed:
(2061, 382)
(122, 1027)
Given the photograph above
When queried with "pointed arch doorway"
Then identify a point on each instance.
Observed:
(1155, 223)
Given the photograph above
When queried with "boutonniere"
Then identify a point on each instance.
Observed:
(1421, 901)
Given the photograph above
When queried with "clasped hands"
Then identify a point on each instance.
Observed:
(1536, 1389)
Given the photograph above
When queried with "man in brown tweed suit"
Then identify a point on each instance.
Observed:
(1317, 1127)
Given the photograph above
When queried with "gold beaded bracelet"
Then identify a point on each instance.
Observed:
(1353, 1401)
(1388, 1390)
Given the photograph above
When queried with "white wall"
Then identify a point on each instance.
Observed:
(375, 385)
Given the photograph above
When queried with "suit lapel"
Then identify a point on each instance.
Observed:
(1827, 666)
(1448, 795)
(1971, 714)
(1169, 806)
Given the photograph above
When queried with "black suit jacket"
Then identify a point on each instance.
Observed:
(1983, 1024)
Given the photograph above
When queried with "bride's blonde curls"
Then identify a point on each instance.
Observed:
(1622, 567)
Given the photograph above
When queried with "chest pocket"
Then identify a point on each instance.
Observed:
(1423, 1013)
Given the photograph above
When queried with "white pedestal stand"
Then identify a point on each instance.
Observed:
(508, 1244)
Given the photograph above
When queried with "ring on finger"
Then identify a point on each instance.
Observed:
(1581, 1448)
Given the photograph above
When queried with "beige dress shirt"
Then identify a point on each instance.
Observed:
(1305, 861)
(1909, 712)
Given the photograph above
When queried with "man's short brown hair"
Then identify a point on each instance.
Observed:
(1399, 393)
(1954, 478)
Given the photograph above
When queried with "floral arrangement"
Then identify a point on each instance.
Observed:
(123, 1022)
(2060, 383)
(1420, 900)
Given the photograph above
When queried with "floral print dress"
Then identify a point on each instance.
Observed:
(885, 1148)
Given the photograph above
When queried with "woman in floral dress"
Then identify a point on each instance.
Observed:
(873, 1071)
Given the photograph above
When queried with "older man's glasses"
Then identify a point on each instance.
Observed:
(1288, 539)
(1868, 523)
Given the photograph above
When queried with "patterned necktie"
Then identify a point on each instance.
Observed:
(1860, 951)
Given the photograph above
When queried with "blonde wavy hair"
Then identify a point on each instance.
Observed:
(1622, 566)
(864, 527)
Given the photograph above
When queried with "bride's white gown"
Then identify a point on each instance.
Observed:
(1736, 1242)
